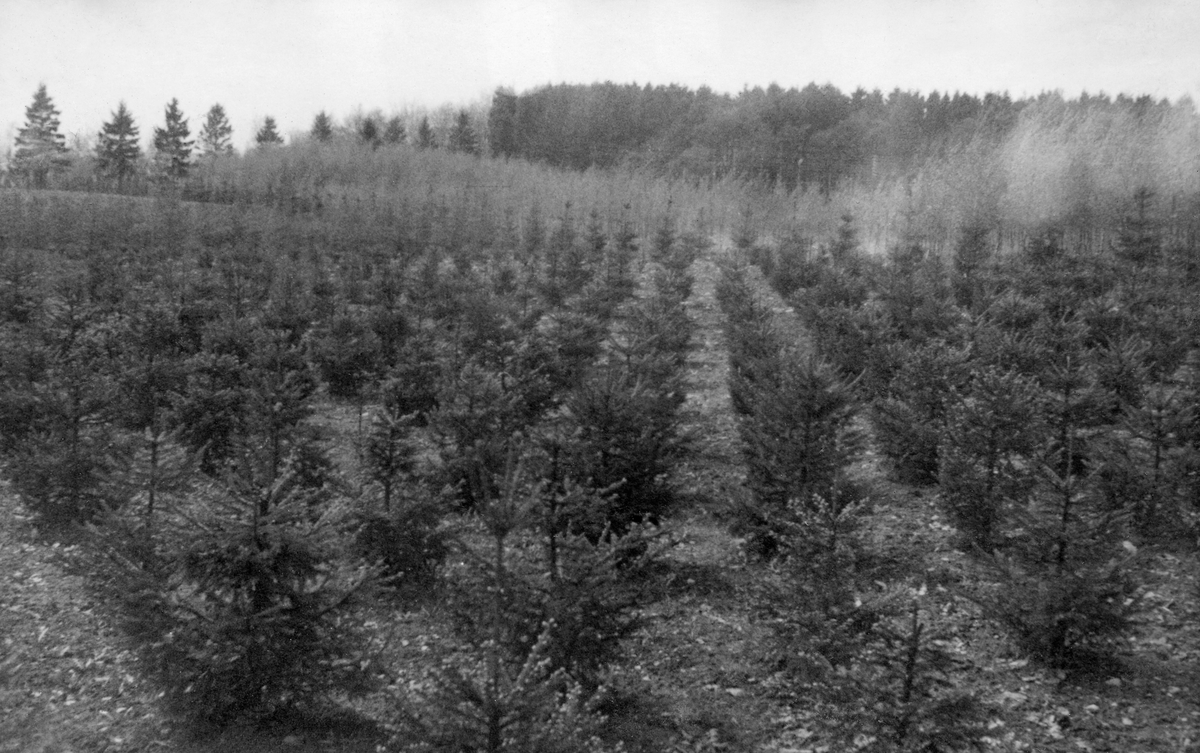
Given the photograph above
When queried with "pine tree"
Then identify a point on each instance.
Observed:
(239, 601)
(970, 255)
(988, 453)
(463, 138)
(797, 440)
(118, 151)
(502, 124)
(322, 127)
(216, 133)
(394, 133)
(845, 246)
(172, 148)
(368, 132)
(426, 139)
(268, 135)
(40, 147)
(1138, 240)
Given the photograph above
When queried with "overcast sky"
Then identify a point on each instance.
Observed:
(292, 58)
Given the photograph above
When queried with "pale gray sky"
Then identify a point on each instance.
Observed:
(291, 58)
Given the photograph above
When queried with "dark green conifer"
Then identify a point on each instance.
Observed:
(322, 127)
(118, 151)
(462, 137)
(268, 135)
(216, 133)
(40, 148)
(172, 147)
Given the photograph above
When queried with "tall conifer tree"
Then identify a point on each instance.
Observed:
(426, 139)
(395, 132)
(268, 134)
(502, 123)
(41, 149)
(118, 150)
(172, 147)
(322, 127)
(368, 132)
(463, 138)
(216, 133)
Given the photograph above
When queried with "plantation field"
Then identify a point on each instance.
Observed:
(339, 450)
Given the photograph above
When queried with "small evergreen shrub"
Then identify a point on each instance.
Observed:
(624, 439)
(988, 453)
(479, 703)
(901, 694)
(238, 602)
(409, 544)
(798, 439)
(1067, 617)
(910, 420)
(346, 352)
(540, 612)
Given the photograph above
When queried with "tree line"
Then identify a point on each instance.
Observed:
(812, 137)
(41, 150)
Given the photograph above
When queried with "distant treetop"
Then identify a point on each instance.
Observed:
(322, 127)
(118, 151)
(268, 135)
(41, 149)
(426, 139)
(216, 135)
(172, 147)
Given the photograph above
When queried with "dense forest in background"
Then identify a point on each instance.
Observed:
(814, 137)
(905, 163)
(811, 137)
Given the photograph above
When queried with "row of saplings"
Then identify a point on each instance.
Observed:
(519, 512)
(861, 656)
(1049, 394)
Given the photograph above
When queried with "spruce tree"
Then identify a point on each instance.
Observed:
(988, 453)
(118, 150)
(368, 132)
(41, 149)
(1138, 241)
(216, 133)
(394, 133)
(798, 440)
(502, 124)
(172, 148)
(239, 601)
(268, 135)
(426, 139)
(463, 138)
(322, 127)
(845, 246)
(970, 255)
